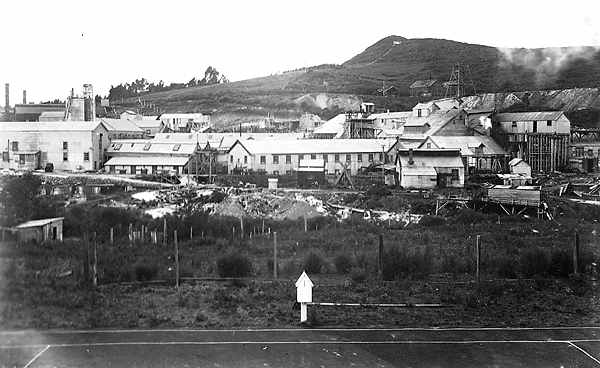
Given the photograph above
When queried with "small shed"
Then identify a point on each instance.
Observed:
(311, 173)
(518, 166)
(41, 230)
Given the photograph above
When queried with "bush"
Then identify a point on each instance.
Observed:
(469, 216)
(343, 263)
(358, 275)
(145, 271)
(534, 261)
(432, 221)
(234, 265)
(313, 263)
(398, 263)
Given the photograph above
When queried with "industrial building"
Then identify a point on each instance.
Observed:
(77, 145)
(184, 123)
(430, 168)
(278, 157)
(479, 152)
(539, 138)
(429, 88)
(32, 112)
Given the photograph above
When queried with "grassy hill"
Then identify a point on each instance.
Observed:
(393, 60)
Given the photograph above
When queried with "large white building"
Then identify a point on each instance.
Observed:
(73, 145)
(279, 157)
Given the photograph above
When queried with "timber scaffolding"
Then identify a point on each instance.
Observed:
(544, 152)
(510, 200)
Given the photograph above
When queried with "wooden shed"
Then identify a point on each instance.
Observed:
(40, 230)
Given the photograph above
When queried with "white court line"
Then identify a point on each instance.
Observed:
(36, 356)
(22, 332)
(324, 342)
(585, 352)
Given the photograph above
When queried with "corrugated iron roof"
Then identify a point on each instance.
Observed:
(528, 116)
(308, 146)
(466, 144)
(120, 125)
(423, 83)
(149, 147)
(147, 161)
(334, 125)
(36, 223)
(45, 126)
(431, 158)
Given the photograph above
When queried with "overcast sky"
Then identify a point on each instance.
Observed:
(50, 46)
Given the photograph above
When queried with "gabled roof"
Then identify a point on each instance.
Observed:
(120, 125)
(528, 116)
(425, 83)
(308, 146)
(516, 161)
(45, 126)
(436, 121)
(466, 144)
(399, 115)
(425, 105)
(334, 126)
(36, 223)
(431, 157)
(158, 160)
(150, 147)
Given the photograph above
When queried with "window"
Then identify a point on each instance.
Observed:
(535, 126)
(147, 146)
(5, 156)
(65, 156)
(579, 151)
(337, 171)
(428, 145)
(86, 156)
(117, 146)
(301, 157)
(231, 158)
(359, 157)
(370, 157)
(380, 156)
(325, 157)
(549, 123)
(455, 174)
(337, 157)
(276, 161)
(65, 145)
(288, 172)
(348, 157)
(176, 147)
(276, 173)
(288, 159)
(15, 146)
(263, 160)
(514, 124)
(590, 152)
(313, 156)
(419, 113)
(148, 131)
(245, 159)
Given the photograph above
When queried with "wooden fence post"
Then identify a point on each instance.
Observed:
(176, 260)
(477, 258)
(275, 254)
(165, 235)
(112, 236)
(380, 257)
(576, 254)
(305, 225)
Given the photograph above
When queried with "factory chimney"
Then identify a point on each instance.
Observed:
(24, 97)
(6, 99)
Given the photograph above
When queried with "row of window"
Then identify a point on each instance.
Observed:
(86, 156)
(288, 158)
(548, 123)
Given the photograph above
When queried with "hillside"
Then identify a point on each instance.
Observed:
(393, 60)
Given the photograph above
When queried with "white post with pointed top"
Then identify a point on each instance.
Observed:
(304, 295)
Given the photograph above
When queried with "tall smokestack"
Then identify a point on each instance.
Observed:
(24, 97)
(6, 99)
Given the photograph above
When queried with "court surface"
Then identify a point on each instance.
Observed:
(467, 347)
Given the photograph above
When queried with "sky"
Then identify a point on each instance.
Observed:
(50, 47)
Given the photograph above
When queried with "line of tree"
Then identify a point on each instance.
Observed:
(143, 86)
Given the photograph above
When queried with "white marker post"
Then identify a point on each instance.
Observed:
(304, 295)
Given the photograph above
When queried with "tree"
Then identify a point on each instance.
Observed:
(19, 200)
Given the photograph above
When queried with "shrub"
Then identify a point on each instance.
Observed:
(469, 216)
(358, 275)
(432, 221)
(234, 265)
(343, 263)
(313, 263)
(145, 271)
(398, 263)
(534, 261)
